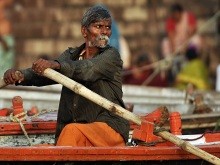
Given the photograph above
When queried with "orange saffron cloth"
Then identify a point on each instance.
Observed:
(97, 134)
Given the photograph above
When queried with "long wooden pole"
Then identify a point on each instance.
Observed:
(83, 91)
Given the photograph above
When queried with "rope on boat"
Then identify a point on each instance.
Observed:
(43, 111)
(15, 118)
(22, 116)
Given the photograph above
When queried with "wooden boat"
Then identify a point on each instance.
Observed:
(164, 151)
(15, 149)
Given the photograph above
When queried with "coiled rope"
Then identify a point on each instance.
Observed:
(19, 118)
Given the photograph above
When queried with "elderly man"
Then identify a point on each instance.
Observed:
(97, 66)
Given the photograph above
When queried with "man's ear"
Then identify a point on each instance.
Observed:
(84, 31)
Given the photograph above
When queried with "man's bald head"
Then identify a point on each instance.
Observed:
(94, 14)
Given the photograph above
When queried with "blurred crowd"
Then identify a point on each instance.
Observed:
(181, 51)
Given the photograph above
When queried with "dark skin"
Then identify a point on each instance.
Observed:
(90, 34)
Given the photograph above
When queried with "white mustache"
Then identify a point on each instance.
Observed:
(97, 43)
(103, 37)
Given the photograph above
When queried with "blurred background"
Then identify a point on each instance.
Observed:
(45, 28)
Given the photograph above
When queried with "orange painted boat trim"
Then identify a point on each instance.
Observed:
(54, 153)
(162, 151)
(11, 128)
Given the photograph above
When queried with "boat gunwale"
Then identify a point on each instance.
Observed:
(127, 153)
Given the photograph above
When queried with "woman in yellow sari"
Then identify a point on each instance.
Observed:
(194, 72)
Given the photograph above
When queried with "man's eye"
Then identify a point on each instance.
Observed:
(98, 26)
(108, 27)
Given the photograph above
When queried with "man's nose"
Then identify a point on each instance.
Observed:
(104, 31)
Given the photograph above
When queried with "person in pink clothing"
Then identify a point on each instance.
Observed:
(181, 27)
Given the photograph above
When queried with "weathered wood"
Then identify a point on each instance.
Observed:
(83, 91)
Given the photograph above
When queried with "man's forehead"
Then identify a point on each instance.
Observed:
(103, 21)
(94, 14)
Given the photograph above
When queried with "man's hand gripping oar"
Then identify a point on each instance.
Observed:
(83, 91)
(15, 77)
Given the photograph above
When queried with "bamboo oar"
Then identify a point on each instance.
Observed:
(83, 91)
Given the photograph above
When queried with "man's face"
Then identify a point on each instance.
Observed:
(98, 33)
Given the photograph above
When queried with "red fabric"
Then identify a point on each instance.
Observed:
(192, 19)
(171, 23)
(157, 81)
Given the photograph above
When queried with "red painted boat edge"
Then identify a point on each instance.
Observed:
(55, 153)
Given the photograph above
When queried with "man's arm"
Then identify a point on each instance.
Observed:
(103, 66)
(33, 79)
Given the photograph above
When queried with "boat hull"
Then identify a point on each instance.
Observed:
(61, 153)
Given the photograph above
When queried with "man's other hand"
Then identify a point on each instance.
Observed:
(41, 64)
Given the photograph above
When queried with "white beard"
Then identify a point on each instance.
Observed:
(100, 41)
